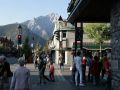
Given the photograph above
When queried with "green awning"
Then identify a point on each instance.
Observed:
(93, 46)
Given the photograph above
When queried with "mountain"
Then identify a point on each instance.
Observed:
(42, 26)
(39, 28)
(11, 32)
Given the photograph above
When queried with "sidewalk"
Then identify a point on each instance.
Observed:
(63, 79)
(67, 74)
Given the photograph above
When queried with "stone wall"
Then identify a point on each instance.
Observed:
(115, 43)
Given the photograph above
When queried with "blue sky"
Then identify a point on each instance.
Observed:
(12, 11)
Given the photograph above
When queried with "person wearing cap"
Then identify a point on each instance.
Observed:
(21, 77)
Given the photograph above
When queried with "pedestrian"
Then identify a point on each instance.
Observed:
(84, 62)
(108, 74)
(21, 79)
(25, 59)
(5, 74)
(90, 61)
(73, 69)
(103, 69)
(36, 61)
(48, 61)
(95, 70)
(51, 72)
(78, 64)
(42, 67)
(61, 62)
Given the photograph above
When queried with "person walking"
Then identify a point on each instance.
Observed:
(73, 69)
(42, 67)
(60, 61)
(36, 61)
(52, 78)
(21, 79)
(78, 65)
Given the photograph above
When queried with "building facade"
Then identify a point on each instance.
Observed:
(62, 41)
(101, 11)
(115, 30)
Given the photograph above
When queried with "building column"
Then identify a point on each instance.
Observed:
(78, 35)
(115, 44)
(75, 37)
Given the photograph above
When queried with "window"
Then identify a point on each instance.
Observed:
(64, 34)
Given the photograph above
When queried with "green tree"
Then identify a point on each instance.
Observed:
(46, 48)
(27, 49)
(98, 31)
(38, 49)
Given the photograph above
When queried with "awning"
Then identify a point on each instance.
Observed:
(96, 46)
(93, 46)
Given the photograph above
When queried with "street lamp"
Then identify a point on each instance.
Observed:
(19, 29)
(60, 38)
(19, 38)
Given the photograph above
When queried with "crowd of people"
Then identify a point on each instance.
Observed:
(17, 80)
(42, 61)
(20, 79)
(99, 71)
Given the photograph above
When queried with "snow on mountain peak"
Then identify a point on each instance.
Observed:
(53, 17)
(31, 23)
(42, 26)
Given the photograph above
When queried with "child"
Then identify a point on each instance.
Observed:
(52, 78)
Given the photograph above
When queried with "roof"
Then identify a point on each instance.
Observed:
(91, 11)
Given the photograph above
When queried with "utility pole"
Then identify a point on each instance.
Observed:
(60, 21)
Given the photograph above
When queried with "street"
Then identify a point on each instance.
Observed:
(62, 79)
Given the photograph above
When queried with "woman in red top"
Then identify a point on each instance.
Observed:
(95, 70)
(107, 67)
(52, 78)
(84, 62)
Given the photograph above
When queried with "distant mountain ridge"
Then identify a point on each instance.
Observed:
(39, 28)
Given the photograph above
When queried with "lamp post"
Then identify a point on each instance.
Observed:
(60, 38)
(19, 39)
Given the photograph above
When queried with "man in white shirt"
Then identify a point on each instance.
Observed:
(21, 77)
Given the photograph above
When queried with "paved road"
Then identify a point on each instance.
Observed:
(63, 79)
